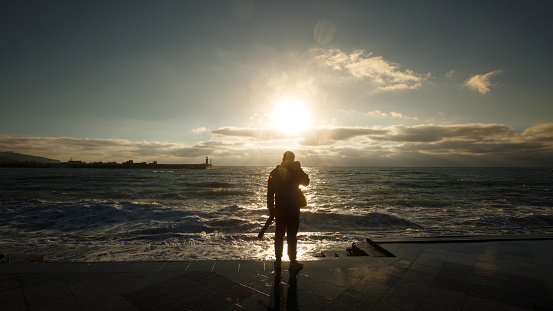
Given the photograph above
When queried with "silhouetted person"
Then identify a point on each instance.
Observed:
(284, 199)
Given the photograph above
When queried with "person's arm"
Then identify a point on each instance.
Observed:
(271, 194)
(270, 205)
(301, 176)
(304, 179)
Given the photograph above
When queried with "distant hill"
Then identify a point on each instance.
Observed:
(10, 157)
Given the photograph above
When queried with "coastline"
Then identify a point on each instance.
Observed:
(107, 165)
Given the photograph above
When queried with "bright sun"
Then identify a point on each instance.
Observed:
(290, 115)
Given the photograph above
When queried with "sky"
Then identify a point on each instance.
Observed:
(345, 83)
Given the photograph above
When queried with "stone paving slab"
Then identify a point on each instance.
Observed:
(447, 275)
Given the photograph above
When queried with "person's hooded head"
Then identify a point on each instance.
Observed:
(288, 156)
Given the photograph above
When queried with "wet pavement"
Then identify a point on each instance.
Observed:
(423, 275)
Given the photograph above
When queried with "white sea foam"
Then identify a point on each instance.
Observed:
(105, 214)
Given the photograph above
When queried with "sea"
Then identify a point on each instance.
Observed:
(84, 214)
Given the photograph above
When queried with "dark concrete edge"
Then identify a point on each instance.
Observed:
(462, 239)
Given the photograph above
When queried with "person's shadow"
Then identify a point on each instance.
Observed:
(277, 300)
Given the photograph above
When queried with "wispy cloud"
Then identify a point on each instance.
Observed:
(391, 114)
(64, 148)
(434, 133)
(375, 70)
(542, 132)
(334, 135)
(399, 145)
(396, 133)
(477, 141)
(481, 83)
(259, 134)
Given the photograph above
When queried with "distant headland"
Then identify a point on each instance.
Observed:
(12, 159)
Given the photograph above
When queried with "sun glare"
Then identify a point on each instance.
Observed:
(290, 115)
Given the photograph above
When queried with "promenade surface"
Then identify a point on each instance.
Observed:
(474, 275)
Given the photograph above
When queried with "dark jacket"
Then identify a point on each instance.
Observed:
(283, 188)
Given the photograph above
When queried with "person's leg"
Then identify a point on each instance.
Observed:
(292, 226)
(279, 236)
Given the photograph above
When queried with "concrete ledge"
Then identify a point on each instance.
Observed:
(463, 239)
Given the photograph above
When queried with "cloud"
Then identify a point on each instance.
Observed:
(92, 150)
(542, 132)
(331, 136)
(478, 148)
(398, 134)
(199, 130)
(481, 83)
(311, 136)
(261, 134)
(430, 133)
(399, 145)
(384, 75)
(391, 114)
(475, 143)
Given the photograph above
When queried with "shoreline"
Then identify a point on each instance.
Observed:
(258, 251)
